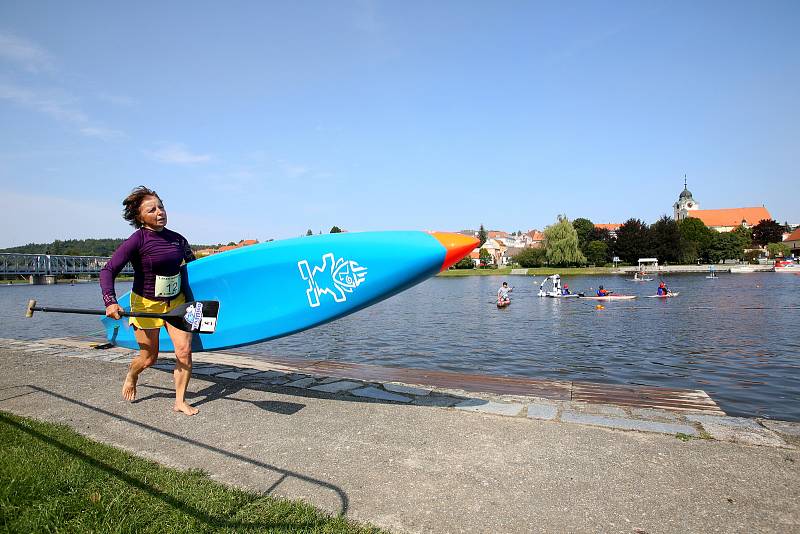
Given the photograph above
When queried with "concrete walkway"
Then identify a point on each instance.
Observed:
(412, 467)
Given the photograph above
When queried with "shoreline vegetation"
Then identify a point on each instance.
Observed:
(61, 480)
(533, 271)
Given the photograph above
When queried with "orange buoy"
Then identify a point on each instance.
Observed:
(599, 307)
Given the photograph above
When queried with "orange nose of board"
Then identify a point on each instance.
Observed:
(457, 246)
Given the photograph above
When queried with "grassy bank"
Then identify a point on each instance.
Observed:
(55, 480)
(538, 271)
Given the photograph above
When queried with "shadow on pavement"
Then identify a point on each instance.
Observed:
(285, 474)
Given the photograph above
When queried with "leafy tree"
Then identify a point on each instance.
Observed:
(604, 235)
(531, 257)
(752, 255)
(744, 234)
(767, 231)
(483, 235)
(309, 232)
(778, 250)
(484, 256)
(597, 253)
(633, 241)
(696, 239)
(725, 246)
(561, 243)
(665, 240)
(584, 228)
(465, 263)
(336, 230)
(231, 244)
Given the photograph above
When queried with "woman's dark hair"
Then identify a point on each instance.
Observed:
(132, 203)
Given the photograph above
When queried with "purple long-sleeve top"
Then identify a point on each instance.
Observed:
(152, 254)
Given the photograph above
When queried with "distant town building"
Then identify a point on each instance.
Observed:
(685, 204)
(497, 234)
(611, 227)
(721, 220)
(725, 220)
(495, 248)
(535, 239)
(209, 251)
(793, 240)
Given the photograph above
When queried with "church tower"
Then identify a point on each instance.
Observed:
(685, 203)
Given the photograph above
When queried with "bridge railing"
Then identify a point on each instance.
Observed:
(12, 263)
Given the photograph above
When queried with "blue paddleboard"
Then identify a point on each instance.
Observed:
(278, 288)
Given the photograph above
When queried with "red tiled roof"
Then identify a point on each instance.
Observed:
(611, 227)
(731, 216)
(794, 236)
(536, 235)
(246, 242)
(497, 233)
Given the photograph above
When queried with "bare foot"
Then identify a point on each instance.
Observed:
(185, 408)
(129, 387)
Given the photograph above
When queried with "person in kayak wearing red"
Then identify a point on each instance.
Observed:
(565, 290)
(156, 254)
(601, 292)
(662, 289)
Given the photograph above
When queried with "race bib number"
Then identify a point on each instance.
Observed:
(168, 286)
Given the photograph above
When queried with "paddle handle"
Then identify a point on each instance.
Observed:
(92, 312)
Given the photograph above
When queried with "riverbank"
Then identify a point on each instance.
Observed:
(495, 464)
(589, 271)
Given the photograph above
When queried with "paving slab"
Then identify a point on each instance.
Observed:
(490, 407)
(301, 383)
(231, 375)
(620, 423)
(545, 412)
(337, 387)
(783, 427)
(379, 394)
(405, 389)
(738, 430)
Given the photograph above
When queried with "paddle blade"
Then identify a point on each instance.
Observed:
(196, 316)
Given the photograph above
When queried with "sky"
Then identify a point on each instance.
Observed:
(261, 120)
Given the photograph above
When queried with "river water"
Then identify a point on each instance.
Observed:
(735, 337)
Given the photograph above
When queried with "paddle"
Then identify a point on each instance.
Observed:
(196, 316)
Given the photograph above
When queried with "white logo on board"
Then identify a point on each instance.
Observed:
(334, 277)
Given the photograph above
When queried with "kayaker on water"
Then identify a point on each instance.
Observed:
(601, 292)
(502, 293)
(662, 289)
(565, 290)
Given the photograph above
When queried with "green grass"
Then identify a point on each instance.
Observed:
(55, 480)
(537, 271)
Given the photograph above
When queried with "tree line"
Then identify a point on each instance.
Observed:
(81, 247)
(579, 242)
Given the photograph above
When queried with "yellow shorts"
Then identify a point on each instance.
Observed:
(141, 304)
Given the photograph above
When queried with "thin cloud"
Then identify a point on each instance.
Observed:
(102, 133)
(177, 154)
(117, 100)
(293, 170)
(24, 53)
(58, 107)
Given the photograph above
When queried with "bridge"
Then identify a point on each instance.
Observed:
(45, 268)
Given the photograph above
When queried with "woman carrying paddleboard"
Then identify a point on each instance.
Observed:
(156, 254)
